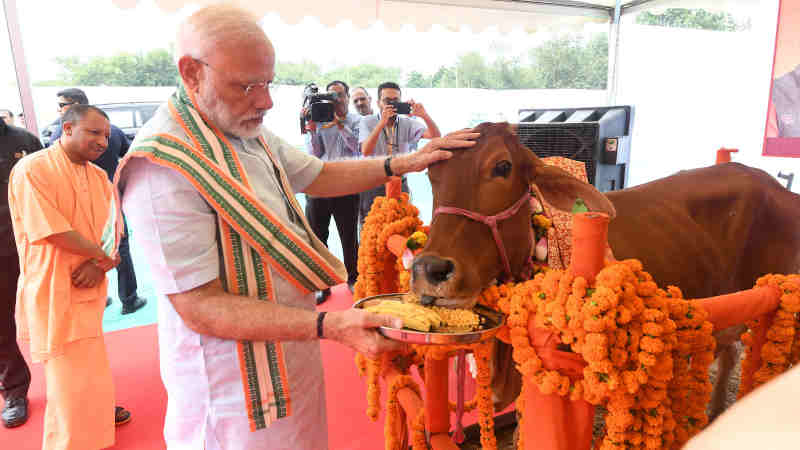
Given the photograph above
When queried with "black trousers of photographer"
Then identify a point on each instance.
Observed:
(345, 211)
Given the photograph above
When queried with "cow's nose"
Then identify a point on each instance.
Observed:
(436, 269)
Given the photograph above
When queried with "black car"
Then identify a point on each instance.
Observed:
(129, 117)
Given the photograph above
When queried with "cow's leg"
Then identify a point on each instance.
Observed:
(726, 354)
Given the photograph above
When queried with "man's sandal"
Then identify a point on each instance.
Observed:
(121, 416)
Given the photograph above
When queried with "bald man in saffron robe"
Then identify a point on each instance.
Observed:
(67, 226)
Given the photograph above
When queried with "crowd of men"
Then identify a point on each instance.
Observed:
(237, 266)
(352, 135)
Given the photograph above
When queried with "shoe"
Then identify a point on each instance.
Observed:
(108, 301)
(321, 296)
(15, 412)
(131, 306)
(121, 416)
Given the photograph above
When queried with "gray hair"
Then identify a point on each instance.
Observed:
(214, 25)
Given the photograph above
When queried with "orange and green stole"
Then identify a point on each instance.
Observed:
(250, 237)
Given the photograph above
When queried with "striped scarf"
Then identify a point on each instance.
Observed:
(250, 236)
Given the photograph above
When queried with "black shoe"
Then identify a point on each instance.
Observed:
(133, 305)
(16, 412)
(321, 296)
(108, 301)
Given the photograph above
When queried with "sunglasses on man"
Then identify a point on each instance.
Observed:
(62, 105)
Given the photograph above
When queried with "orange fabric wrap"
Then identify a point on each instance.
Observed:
(550, 421)
(442, 441)
(396, 244)
(437, 404)
(589, 237)
(394, 187)
(732, 309)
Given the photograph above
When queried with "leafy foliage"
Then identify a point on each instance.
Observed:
(154, 68)
(693, 18)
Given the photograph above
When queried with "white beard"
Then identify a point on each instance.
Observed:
(219, 114)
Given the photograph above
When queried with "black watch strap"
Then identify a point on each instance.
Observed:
(387, 167)
(320, 318)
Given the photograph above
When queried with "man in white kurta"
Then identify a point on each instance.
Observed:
(176, 228)
(182, 219)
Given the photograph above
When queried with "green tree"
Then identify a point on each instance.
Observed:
(154, 68)
(297, 74)
(693, 18)
(565, 62)
(418, 80)
(367, 75)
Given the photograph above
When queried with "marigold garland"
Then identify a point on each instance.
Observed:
(628, 331)
(781, 350)
(393, 426)
(386, 217)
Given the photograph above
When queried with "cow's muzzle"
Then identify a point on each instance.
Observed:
(435, 270)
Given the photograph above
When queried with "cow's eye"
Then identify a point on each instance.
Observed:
(502, 169)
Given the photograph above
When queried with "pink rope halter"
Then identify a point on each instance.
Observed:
(491, 221)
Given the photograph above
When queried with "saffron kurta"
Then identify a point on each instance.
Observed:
(48, 195)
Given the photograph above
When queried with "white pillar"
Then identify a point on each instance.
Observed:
(20, 66)
(613, 55)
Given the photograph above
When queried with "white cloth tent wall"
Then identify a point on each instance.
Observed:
(531, 15)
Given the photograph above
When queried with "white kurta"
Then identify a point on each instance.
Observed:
(176, 229)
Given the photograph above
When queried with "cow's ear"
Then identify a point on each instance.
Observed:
(561, 190)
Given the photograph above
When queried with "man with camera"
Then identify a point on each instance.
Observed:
(331, 137)
(389, 134)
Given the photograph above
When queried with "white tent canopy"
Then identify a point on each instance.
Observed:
(531, 15)
(505, 15)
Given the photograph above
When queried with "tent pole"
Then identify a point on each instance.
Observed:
(21, 68)
(613, 54)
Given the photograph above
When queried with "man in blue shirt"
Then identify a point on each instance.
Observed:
(117, 147)
(332, 141)
(389, 134)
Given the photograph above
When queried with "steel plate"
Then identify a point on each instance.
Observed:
(493, 321)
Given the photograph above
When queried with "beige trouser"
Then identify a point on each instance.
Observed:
(80, 398)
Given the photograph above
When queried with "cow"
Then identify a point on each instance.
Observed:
(709, 231)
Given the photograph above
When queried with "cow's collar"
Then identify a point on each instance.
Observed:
(491, 222)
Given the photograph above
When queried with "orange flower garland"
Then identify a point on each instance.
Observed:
(393, 427)
(418, 440)
(782, 349)
(386, 217)
(627, 330)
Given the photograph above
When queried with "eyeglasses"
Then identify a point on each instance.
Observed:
(246, 88)
(62, 105)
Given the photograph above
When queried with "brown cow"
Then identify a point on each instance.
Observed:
(708, 231)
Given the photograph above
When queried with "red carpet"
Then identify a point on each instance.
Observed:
(134, 362)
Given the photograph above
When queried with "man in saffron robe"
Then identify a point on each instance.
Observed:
(67, 226)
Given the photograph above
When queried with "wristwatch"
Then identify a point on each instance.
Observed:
(387, 167)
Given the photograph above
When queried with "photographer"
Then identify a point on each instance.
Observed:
(330, 141)
(389, 134)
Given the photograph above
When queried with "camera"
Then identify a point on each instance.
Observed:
(321, 106)
(401, 107)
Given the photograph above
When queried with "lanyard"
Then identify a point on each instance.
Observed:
(392, 145)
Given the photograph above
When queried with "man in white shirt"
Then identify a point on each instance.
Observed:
(210, 192)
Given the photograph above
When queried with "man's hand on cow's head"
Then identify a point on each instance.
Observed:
(434, 151)
(357, 329)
